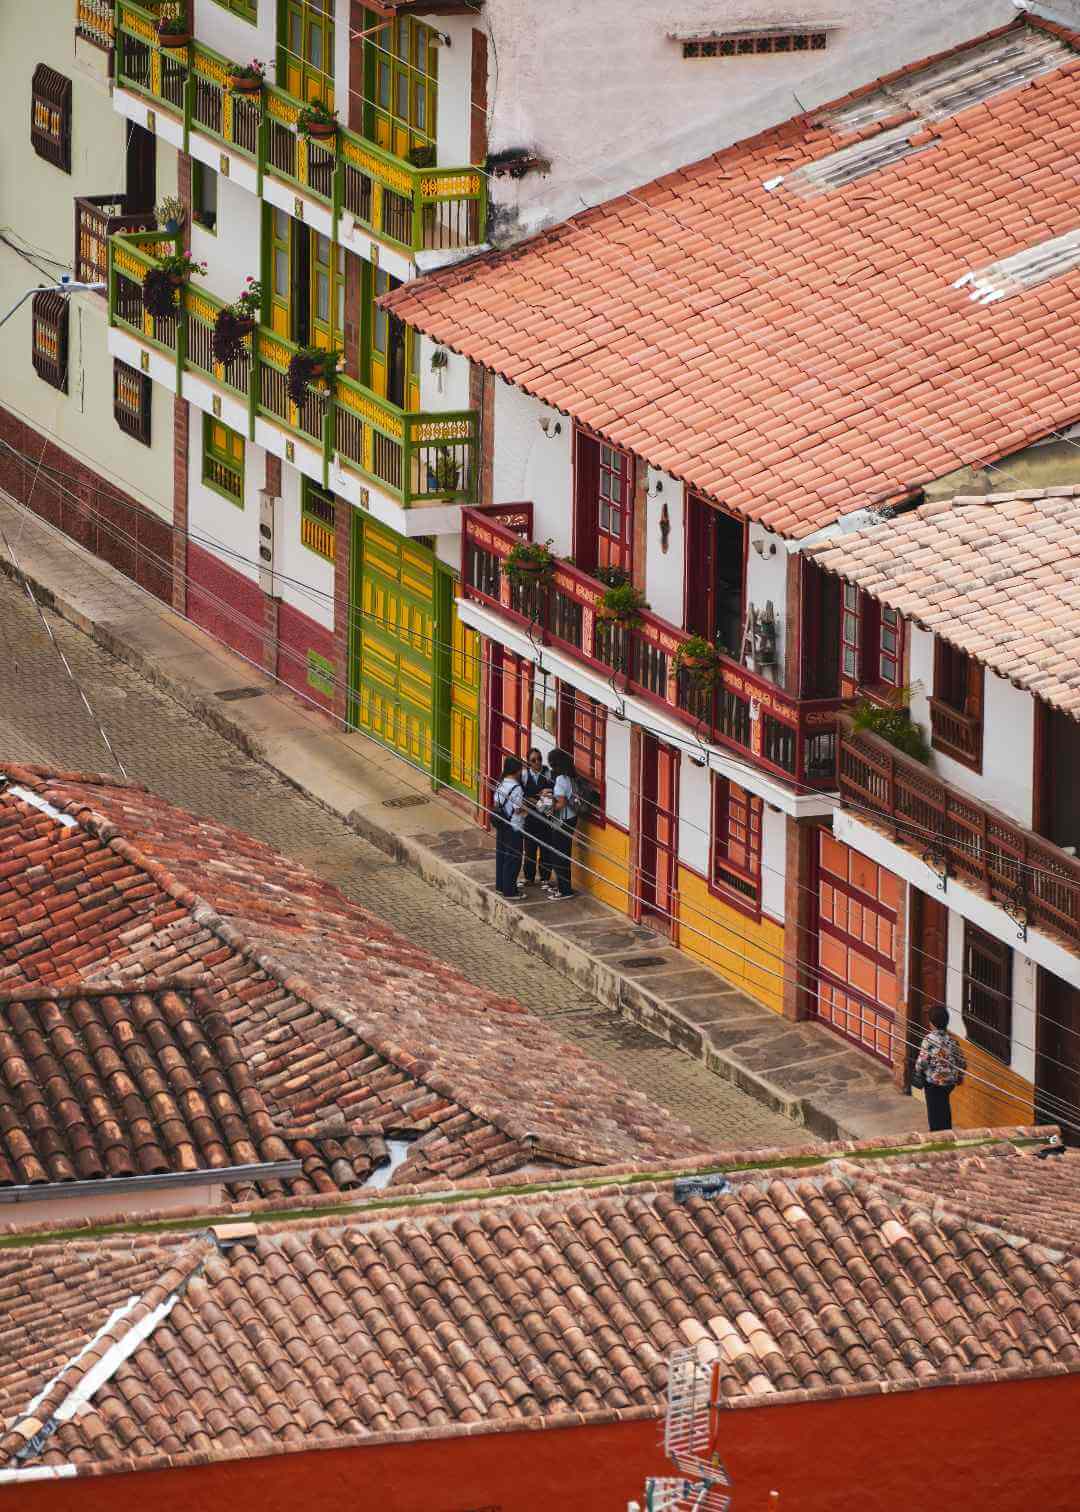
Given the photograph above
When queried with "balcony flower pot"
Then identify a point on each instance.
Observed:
(247, 79)
(444, 474)
(529, 562)
(622, 605)
(174, 33)
(162, 284)
(170, 214)
(307, 366)
(892, 722)
(235, 322)
(699, 659)
(318, 122)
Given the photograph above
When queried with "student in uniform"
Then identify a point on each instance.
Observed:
(538, 782)
(564, 813)
(508, 817)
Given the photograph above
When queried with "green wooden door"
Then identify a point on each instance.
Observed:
(393, 640)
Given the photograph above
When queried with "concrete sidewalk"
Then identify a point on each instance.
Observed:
(800, 1070)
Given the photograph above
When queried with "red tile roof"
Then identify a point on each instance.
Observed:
(798, 355)
(342, 1022)
(952, 565)
(521, 1307)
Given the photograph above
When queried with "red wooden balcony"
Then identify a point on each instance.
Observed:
(794, 738)
(1032, 878)
(955, 733)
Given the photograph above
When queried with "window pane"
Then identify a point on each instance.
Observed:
(322, 296)
(315, 45)
(281, 272)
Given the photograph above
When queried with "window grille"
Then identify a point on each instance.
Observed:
(49, 336)
(132, 399)
(50, 117)
(736, 46)
(988, 992)
(317, 519)
(223, 460)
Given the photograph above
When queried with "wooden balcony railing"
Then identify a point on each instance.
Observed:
(413, 209)
(956, 734)
(94, 20)
(1037, 882)
(420, 458)
(795, 738)
(97, 217)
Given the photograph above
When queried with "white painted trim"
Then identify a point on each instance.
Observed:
(1040, 948)
(37, 1472)
(637, 711)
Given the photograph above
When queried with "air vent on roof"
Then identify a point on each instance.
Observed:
(1023, 270)
(851, 163)
(963, 79)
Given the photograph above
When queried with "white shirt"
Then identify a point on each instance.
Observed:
(564, 788)
(510, 802)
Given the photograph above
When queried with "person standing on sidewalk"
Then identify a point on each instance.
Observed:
(939, 1067)
(564, 818)
(538, 780)
(508, 816)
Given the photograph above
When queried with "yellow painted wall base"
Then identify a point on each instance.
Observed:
(748, 952)
(602, 864)
(991, 1095)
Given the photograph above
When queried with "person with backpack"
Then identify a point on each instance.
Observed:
(538, 785)
(566, 807)
(508, 817)
(939, 1067)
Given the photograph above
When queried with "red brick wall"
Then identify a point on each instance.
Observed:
(1008, 1445)
(343, 516)
(85, 506)
(181, 432)
(297, 635)
(225, 603)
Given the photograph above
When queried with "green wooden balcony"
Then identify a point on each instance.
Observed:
(417, 458)
(411, 209)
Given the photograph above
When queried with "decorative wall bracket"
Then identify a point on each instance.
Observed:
(936, 858)
(1015, 905)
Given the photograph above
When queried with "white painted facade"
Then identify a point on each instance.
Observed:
(643, 109)
(1007, 778)
(1024, 989)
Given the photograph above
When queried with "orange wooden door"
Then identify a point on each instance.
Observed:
(857, 903)
(659, 831)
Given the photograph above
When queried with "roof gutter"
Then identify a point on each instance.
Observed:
(49, 1191)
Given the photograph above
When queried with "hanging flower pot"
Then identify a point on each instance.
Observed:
(528, 561)
(622, 604)
(247, 78)
(174, 31)
(699, 659)
(317, 121)
(307, 366)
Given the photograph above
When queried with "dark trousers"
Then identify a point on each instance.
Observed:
(508, 846)
(938, 1110)
(559, 853)
(537, 863)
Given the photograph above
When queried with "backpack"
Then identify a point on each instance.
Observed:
(505, 810)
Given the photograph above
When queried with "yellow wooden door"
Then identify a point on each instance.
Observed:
(464, 706)
(279, 229)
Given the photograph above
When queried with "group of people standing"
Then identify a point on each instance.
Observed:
(535, 810)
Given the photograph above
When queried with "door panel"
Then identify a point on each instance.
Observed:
(279, 238)
(464, 707)
(856, 947)
(1057, 1074)
(392, 672)
(659, 831)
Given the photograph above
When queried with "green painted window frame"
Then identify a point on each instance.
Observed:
(247, 10)
(220, 470)
(320, 505)
(402, 78)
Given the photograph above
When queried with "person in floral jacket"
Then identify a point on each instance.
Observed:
(939, 1068)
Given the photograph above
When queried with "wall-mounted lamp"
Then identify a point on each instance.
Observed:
(550, 427)
(654, 493)
(759, 547)
(442, 39)
(665, 527)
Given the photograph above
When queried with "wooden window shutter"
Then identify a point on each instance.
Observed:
(50, 117)
(478, 102)
(586, 486)
(988, 992)
(132, 399)
(49, 335)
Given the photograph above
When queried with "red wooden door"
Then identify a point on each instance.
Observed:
(857, 903)
(659, 831)
(510, 705)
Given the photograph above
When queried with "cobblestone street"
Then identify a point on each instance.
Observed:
(42, 719)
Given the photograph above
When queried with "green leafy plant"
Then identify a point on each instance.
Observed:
(307, 366)
(170, 213)
(422, 155)
(529, 561)
(161, 284)
(623, 604)
(892, 722)
(699, 659)
(174, 30)
(317, 120)
(247, 78)
(613, 577)
(444, 473)
(236, 321)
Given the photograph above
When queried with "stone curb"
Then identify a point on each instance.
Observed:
(629, 998)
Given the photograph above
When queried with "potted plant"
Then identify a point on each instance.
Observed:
(236, 321)
(622, 604)
(422, 155)
(611, 577)
(444, 473)
(247, 78)
(317, 121)
(309, 365)
(162, 283)
(174, 31)
(892, 722)
(171, 214)
(529, 561)
(699, 658)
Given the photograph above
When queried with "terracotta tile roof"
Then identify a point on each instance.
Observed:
(952, 565)
(519, 1307)
(342, 1022)
(796, 355)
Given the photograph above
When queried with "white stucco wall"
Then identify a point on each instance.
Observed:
(302, 578)
(444, 388)
(232, 250)
(1008, 763)
(609, 99)
(37, 213)
(240, 40)
(452, 137)
(773, 862)
(617, 771)
(531, 465)
(215, 523)
(1024, 988)
(665, 571)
